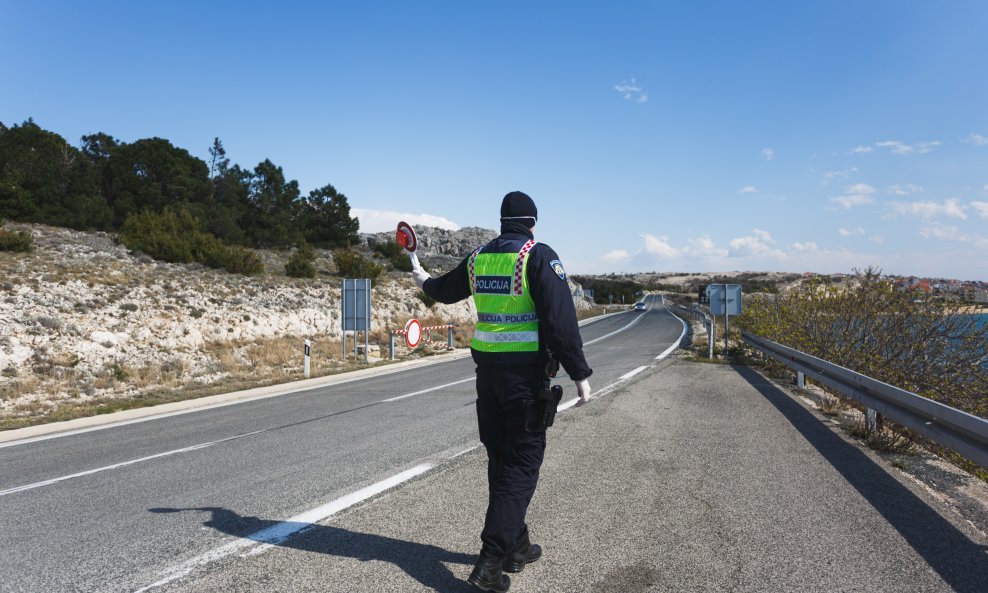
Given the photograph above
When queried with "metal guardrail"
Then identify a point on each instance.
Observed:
(950, 427)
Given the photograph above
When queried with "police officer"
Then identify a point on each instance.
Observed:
(525, 316)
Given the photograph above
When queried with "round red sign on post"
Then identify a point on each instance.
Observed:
(413, 333)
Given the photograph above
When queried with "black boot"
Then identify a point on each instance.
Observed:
(524, 552)
(487, 573)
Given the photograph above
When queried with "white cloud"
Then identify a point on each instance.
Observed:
(858, 194)
(705, 247)
(876, 239)
(758, 243)
(803, 247)
(763, 235)
(659, 246)
(952, 233)
(976, 139)
(951, 208)
(767, 154)
(748, 189)
(897, 147)
(615, 255)
(862, 149)
(702, 247)
(378, 221)
(905, 190)
(850, 232)
(851, 201)
(939, 232)
(841, 174)
(861, 188)
(981, 207)
(631, 91)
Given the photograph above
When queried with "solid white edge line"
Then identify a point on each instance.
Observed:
(121, 464)
(282, 531)
(394, 399)
(185, 449)
(288, 391)
(678, 341)
(631, 374)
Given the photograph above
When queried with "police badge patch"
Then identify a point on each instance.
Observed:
(557, 267)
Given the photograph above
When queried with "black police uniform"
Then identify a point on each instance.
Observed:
(505, 381)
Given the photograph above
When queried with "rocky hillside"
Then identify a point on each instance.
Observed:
(83, 319)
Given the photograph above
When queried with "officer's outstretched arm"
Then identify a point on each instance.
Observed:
(449, 288)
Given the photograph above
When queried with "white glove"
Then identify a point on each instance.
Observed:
(420, 276)
(583, 391)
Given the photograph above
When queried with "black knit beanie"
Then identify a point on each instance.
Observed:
(517, 205)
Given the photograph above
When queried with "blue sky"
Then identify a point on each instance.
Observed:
(665, 136)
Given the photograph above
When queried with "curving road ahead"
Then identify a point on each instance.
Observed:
(90, 511)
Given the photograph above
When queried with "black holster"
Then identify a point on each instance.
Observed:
(541, 413)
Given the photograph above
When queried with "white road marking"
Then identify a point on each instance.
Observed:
(186, 449)
(122, 464)
(627, 376)
(465, 451)
(288, 389)
(394, 399)
(277, 534)
(678, 340)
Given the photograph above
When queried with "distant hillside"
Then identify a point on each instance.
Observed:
(82, 319)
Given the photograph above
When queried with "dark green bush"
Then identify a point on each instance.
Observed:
(427, 300)
(394, 253)
(17, 241)
(241, 260)
(301, 264)
(174, 236)
(351, 264)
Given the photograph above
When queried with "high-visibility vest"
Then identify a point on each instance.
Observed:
(506, 318)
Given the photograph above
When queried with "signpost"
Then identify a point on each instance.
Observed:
(356, 315)
(724, 299)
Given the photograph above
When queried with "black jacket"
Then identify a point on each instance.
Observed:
(559, 332)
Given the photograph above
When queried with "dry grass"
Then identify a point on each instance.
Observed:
(882, 439)
(19, 388)
(831, 405)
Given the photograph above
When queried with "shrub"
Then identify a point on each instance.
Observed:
(17, 241)
(394, 253)
(300, 265)
(174, 236)
(427, 300)
(166, 236)
(351, 264)
(241, 260)
(915, 342)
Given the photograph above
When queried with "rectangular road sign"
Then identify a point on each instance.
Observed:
(356, 302)
(724, 299)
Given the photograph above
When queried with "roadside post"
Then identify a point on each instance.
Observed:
(725, 299)
(308, 344)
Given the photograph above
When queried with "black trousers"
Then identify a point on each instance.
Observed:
(514, 456)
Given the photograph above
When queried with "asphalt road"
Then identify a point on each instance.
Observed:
(691, 478)
(105, 510)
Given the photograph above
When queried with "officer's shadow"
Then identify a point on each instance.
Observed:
(422, 562)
